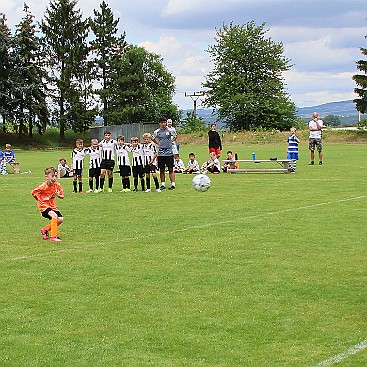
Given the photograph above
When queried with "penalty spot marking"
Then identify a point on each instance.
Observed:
(344, 355)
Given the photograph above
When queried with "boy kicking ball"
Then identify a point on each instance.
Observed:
(45, 195)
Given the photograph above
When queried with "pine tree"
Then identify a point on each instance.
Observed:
(361, 81)
(64, 41)
(105, 47)
(30, 87)
(6, 64)
(246, 85)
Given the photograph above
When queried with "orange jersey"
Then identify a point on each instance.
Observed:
(45, 195)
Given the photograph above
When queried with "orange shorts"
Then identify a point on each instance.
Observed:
(215, 150)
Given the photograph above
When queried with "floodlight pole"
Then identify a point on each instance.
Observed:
(195, 96)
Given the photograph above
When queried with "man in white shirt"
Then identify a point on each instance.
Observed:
(315, 138)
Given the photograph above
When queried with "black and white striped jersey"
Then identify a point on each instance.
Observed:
(94, 157)
(108, 149)
(122, 153)
(138, 155)
(77, 158)
(149, 151)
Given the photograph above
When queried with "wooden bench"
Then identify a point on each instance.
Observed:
(283, 163)
(16, 166)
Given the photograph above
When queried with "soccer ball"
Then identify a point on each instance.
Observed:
(201, 182)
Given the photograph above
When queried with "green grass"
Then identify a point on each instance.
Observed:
(261, 270)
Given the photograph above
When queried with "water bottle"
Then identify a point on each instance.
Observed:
(253, 156)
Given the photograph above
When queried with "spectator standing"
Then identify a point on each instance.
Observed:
(315, 138)
(215, 144)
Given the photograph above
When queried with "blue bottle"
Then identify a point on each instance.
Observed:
(253, 156)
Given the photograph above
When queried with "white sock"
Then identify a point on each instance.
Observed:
(173, 184)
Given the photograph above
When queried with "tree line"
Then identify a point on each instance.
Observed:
(66, 70)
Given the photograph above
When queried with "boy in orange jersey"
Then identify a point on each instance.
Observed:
(45, 195)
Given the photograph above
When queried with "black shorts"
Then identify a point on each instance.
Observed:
(78, 172)
(150, 169)
(125, 171)
(45, 213)
(138, 171)
(108, 164)
(66, 175)
(94, 172)
(164, 160)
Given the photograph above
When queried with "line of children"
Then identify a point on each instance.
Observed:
(144, 158)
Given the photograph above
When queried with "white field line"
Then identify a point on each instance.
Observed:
(341, 356)
(189, 228)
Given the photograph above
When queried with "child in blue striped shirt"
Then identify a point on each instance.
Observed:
(292, 151)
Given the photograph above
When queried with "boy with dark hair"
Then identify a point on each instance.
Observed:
(164, 138)
(192, 165)
(109, 147)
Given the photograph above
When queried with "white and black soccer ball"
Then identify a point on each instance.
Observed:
(201, 182)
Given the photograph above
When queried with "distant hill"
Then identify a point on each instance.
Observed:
(344, 109)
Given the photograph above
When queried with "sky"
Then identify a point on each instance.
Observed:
(321, 38)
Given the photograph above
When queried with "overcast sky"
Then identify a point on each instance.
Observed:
(320, 37)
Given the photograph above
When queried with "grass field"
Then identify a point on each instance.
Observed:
(261, 270)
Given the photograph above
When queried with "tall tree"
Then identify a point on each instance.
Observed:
(104, 47)
(246, 84)
(361, 81)
(6, 63)
(29, 76)
(64, 40)
(142, 88)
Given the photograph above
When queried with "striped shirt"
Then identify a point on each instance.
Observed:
(292, 144)
(149, 150)
(122, 153)
(138, 155)
(77, 158)
(108, 149)
(94, 157)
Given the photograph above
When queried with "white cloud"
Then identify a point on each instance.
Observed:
(322, 38)
(310, 88)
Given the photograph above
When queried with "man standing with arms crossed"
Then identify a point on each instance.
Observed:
(164, 138)
(315, 138)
